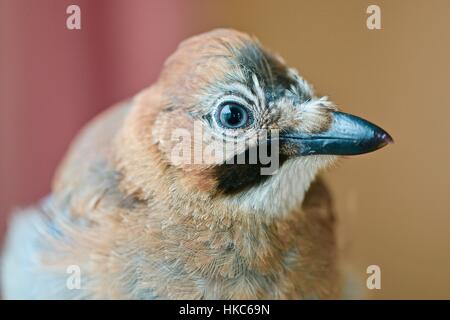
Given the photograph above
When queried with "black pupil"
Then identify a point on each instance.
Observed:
(233, 115)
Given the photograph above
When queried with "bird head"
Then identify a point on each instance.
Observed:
(229, 121)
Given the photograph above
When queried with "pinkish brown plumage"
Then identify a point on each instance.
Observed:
(141, 227)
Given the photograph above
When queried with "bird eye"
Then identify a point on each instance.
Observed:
(233, 115)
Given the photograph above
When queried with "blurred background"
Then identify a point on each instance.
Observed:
(393, 205)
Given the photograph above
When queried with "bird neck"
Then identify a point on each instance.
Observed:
(291, 253)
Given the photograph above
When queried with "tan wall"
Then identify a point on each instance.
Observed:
(394, 205)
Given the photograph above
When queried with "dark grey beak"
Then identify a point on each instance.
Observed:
(347, 135)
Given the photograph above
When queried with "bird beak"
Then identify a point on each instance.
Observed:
(347, 135)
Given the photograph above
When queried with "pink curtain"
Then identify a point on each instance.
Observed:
(52, 80)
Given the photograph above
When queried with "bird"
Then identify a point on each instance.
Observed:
(138, 222)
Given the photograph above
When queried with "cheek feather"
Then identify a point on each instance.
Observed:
(285, 190)
(309, 117)
(315, 114)
(234, 178)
